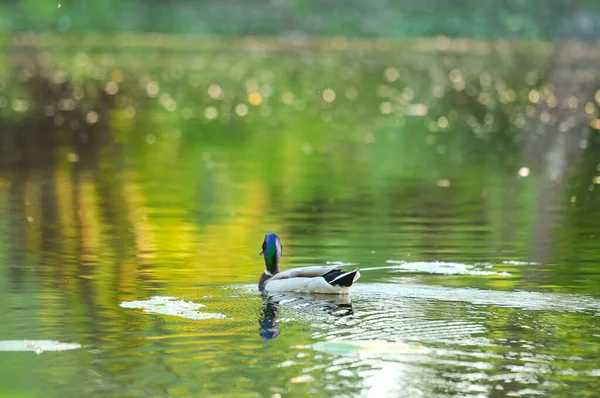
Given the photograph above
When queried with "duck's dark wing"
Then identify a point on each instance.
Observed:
(340, 277)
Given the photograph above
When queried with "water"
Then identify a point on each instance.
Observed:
(129, 175)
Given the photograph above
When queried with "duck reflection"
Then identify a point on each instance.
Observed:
(269, 320)
(337, 306)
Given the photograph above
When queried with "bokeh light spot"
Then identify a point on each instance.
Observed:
(386, 107)
(211, 113)
(288, 98)
(391, 74)
(215, 91)
(328, 95)
(241, 110)
(111, 88)
(534, 96)
(442, 122)
(91, 117)
(152, 88)
(255, 98)
(416, 110)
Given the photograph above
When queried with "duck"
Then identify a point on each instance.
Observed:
(314, 280)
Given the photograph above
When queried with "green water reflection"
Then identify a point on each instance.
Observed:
(156, 169)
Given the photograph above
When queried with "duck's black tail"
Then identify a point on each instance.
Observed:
(339, 277)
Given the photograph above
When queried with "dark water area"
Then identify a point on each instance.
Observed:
(461, 176)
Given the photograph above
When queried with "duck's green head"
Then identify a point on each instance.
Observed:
(271, 250)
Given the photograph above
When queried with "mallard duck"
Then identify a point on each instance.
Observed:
(322, 280)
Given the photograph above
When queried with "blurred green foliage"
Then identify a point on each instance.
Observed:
(405, 18)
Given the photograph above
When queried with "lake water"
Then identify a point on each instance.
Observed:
(136, 172)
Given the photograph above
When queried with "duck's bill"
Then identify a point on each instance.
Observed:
(261, 253)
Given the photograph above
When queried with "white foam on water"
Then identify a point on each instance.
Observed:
(438, 267)
(166, 305)
(37, 346)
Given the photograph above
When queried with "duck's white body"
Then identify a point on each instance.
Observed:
(307, 280)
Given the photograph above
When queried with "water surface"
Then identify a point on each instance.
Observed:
(154, 170)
